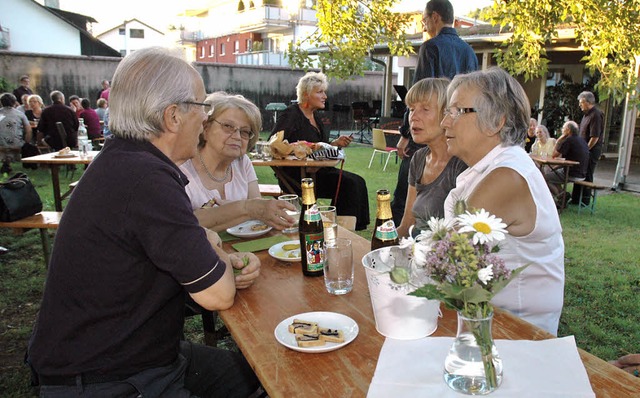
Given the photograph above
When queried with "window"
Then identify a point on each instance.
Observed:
(222, 49)
(248, 43)
(212, 50)
(123, 52)
(236, 46)
(202, 52)
(121, 31)
(136, 33)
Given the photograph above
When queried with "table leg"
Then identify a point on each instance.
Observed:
(46, 246)
(564, 190)
(55, 179)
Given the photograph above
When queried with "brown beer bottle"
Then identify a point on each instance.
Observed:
(384, 232)
(311, 232)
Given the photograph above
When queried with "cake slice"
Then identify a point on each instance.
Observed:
(309, 340)
(331, 335)
(298, 326)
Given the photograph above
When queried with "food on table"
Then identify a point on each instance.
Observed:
(291, 246)
(309, 340)
(301, 327)
(293, 254)
(309, 334)
(259, 227)
(64, 151)
(331, 335)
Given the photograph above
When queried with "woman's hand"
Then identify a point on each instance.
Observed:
(629, 363)
(342, 141)
(246, 268)
(271, 212)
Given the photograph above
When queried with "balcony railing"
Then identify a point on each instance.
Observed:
(5, 38)
(262, 58)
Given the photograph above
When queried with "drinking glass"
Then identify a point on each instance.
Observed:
(293, 199)
(338, 266)
(329, 222)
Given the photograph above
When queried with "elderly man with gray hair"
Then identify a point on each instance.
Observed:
(128, 248)
(571, 147)
(592, 132)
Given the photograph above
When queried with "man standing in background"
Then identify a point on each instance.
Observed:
(592, 131)
(445, 54)
(23, 88)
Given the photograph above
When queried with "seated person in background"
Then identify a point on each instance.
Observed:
(75, 104)
(571, 147)
(544, 146)
(530, 139)
(58, 112)
(433, 170)
(223, 187)
(15, 131)
(113, 307)
(25, 103)
(102, 108)
(91, 120)
(485, 124)
(301, 123)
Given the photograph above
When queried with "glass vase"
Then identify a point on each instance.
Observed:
(473, 365)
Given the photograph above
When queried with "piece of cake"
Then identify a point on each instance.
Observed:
(309, 340)
(298, 326)
(331, 335)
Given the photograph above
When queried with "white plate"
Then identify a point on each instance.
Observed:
(292, 256)
(331, 320)
(245, 230)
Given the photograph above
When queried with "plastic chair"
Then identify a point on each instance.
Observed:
(380, 146)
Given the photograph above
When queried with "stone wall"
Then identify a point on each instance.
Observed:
(81, 75)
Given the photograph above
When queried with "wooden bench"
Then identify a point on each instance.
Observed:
(592, 197)
(42, 221)
(270, 190)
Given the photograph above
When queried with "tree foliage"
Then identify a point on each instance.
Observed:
(347, 31)
(609, 31)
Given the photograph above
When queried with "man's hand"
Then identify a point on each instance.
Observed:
(342, 141)
(246, 268)
(402, 145)
(271, 212)
(629, 363)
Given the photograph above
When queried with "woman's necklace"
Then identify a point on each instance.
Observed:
(214, 178)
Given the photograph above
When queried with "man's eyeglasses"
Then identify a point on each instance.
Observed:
(454, 112)
(207, 107)
(230, 129)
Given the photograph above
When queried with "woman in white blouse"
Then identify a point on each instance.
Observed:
(223, 187)
(544, 145)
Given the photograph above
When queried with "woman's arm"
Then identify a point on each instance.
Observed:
(407, 218)
(229, 214)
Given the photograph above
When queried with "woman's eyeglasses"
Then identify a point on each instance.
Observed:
(230, 129)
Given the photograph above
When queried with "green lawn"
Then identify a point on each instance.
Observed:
(602, 294)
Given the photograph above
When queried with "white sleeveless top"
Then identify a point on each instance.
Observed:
(242, 173)
(537, 294)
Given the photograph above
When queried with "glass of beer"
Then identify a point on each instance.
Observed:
(329, 222)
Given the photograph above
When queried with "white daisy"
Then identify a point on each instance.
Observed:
(486, 227)
(439, 227)
(486, 274)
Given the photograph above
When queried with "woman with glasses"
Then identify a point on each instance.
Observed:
(223, 186)
(433, 171)
(300, 122)
(485, 123)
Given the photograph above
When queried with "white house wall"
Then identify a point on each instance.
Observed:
(33, 29)
(124, 42)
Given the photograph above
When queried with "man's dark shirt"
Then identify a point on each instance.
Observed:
(47, 125)
(444, 55)
(576, 149)
(592, 125)
(20, 91)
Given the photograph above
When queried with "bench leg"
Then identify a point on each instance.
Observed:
(44, 236)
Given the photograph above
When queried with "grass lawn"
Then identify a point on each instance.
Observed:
(602, 293)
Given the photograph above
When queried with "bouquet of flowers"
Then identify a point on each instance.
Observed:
(460, 257)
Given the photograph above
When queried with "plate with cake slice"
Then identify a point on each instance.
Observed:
(249, 229)
(316, 331)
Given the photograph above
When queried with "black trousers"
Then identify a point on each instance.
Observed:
(353, 198)
(594, 156)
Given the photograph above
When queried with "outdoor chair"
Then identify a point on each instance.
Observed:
(380, 146)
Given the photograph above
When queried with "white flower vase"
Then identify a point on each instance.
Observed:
(397, 315)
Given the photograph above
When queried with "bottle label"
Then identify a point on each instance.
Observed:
(312, 214)
(387, 231)
(314, 251)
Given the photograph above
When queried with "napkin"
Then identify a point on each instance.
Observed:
(226, 236)
(259, 244)
(546, 368)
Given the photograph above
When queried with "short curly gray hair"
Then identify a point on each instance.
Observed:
(308, 82)
(502, 100)
(221, 101)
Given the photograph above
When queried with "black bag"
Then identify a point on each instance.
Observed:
(18, 198)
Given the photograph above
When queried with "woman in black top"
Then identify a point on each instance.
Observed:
(301, 123)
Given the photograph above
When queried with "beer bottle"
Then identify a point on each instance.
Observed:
(384, 232)
(311, 232)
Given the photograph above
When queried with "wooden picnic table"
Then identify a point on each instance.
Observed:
(282, 291)
(308, 168)
(54, 163)
(560, 167)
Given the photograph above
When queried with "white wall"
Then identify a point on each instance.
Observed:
(33, 29)
(125, 42)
